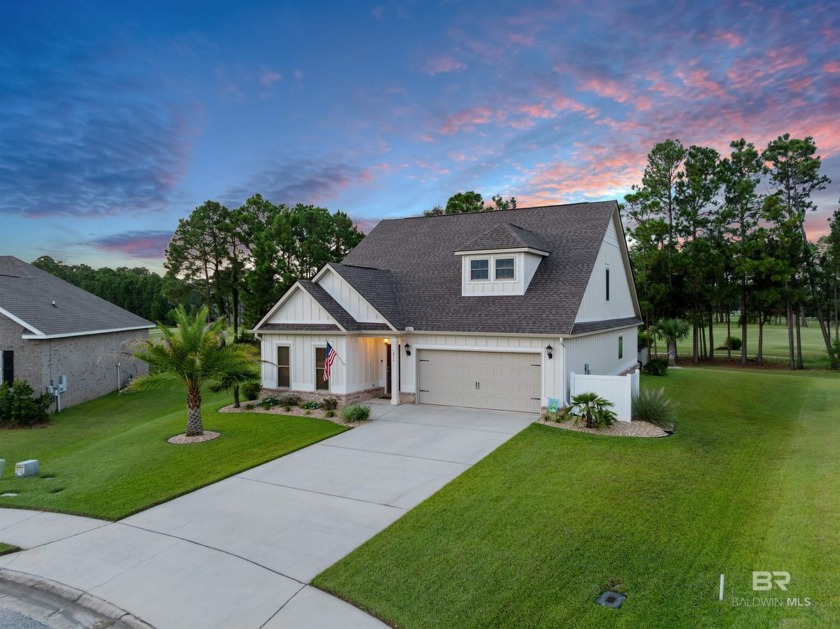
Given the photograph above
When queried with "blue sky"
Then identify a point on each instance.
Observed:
(118, 118)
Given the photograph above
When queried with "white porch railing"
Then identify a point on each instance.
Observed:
(617, 389)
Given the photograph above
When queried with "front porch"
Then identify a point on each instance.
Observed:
(365, 366)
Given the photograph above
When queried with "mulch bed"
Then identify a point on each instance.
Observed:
(618, 429)
(182, 439)
(294, 411)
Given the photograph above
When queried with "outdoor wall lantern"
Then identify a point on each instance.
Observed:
(407, 349)
(548, 351)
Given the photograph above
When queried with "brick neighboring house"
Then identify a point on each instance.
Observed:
(50, 328)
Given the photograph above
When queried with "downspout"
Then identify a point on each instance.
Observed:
(564, 372)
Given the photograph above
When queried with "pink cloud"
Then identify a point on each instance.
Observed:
(521, 38)
(298, 74)
(466, 119)
(733, 40)
(442, 65)
(605, 88)
(832, 67)
(268, 77)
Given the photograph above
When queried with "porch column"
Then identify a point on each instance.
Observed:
(395, 371)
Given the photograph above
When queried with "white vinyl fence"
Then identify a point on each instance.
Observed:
(617, 389)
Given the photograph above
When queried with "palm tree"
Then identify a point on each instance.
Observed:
(672, 330)
(593, 410)
(194, 355)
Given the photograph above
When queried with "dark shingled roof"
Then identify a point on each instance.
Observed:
(379, 287)
(507, 236)
(28, 293)
(344, 318)
(299, 327)
(424, 273)
(610, 324)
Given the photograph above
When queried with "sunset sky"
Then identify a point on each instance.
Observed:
(118, 118)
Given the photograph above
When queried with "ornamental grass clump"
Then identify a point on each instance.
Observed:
(355, 413)
(653, 407)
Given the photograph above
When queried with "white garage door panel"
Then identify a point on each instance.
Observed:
(493, 380)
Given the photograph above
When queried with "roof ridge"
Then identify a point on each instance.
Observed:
(517, 209)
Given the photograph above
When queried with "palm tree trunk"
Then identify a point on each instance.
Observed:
(672, 352)
(194, 425)
(236, 396)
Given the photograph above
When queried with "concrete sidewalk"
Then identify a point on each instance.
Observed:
(241, 552)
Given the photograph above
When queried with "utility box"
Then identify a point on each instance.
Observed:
(2, 467)
(26, 468)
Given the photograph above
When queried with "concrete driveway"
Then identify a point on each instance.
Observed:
(241, 552)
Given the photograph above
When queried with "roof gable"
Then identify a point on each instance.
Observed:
(49, 307)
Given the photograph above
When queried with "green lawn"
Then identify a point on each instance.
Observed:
(775, 344)
(109, 458)
(7, 548)
(533, 533)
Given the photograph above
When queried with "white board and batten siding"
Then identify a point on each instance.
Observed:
(600, 352)
(349, 298)
(594, 306)
(301, 307)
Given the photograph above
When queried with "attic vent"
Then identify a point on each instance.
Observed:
(54, 306)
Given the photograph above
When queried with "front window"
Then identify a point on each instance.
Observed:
(320, 383)
(284, 371)
(504, 269)
(479, 269)
(607, 281)
(620, 347)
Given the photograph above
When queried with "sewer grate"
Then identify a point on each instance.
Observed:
(610, 599)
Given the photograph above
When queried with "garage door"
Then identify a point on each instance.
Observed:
(493, 380)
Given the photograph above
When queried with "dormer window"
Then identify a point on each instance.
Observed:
(501, 261)
(479, 269)
(505, 268)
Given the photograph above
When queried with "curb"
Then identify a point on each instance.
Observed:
(69, 597)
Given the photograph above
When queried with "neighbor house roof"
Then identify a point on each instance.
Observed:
(409, 265)
(48, 307)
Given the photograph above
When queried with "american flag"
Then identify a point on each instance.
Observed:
(329, 357)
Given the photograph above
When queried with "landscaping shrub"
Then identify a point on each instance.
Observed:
(330, 404)
(251, 390)
(310, 406)
(592, 409)
(731, 342)
(329, 413)
(559, 416)
(20, 407)
(355, 413)
(289, 400)
(642, 340)
(656, 367)
(652, 406)
(270, 402)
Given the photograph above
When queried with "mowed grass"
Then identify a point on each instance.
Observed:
(109, 458)
(532, 534)
(775, 344)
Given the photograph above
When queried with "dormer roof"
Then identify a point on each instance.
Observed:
(507, 236)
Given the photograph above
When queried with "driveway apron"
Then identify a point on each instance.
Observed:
(241, 552)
